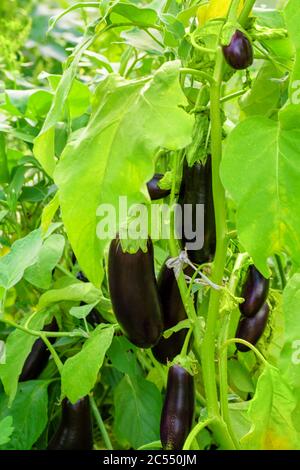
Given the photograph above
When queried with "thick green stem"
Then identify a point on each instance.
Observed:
(100, 423)
(208, 347)
(195, 431)
(53, 353)
(243, 18)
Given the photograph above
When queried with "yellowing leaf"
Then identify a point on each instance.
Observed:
(215, 9)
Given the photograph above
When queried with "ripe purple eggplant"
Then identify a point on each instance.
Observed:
(173, 312)
(239, 53)
(251, 329)
(75, 430)
(134, 294)
(155, 192)
(38, 357)
(255, 292)
(178, 409)
(196, 188)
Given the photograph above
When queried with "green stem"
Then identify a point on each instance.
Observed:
(208, 347)
(195, 431)
(197, 73)
(243, 18)
(281, 271)
(48, 334)
(249, 345)
(233, 10)
(236, 94)
(53, 353)
(151, 446)
(100, 423)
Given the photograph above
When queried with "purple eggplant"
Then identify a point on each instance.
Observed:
(134, 294)
(239, 53)
(155, 192)
(255, 292)
(178, 409)
(75, 430)
(251, 329)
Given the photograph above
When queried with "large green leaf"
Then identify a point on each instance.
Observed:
(270, 412)
(80, 372)
(40, 274)
(79, 291)
(24, 253)
(137, 411)
(290, 354)
(114, 155)
(29, 413)
(261, 171)
(18, 346)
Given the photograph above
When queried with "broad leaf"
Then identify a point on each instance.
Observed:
(261, 172)
(112, 157)
(80, 372)
(82, 311)
(40, 274)
(137, 411)
(122, 356)
(29, 413)
(18, 346)
(290, 354)
(270, 412)
(77, 292)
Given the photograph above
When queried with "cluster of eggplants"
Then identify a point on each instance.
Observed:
(254, 310)
(38, 357)
(75, 431)
(196, 188)
(239, 52)
(178, 409)
(134, 294)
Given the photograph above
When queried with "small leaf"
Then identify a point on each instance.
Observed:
(79, 373)
(48, 213)
(18, 346)
(24, 253)
(83, 310)
(6, 429)
(40, 273)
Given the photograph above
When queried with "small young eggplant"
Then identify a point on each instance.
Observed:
(239, 53)
(251, 329)
(255, 292)
(75, 430)
(173, 312)
(178, 409)
(38, 356)
(155, 192)
(196, 188)
(134, 294)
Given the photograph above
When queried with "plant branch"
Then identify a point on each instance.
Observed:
(100, 423)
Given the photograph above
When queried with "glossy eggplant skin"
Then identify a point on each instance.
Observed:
(155, 192)
(251, 329)
(75, 430)
(255, 292)
(38, 356)
(178, 409)
(173, 312)
(239, 52)
(196, 188)
(134, 294)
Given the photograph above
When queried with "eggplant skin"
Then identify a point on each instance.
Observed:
(38, 357)
(239, 53)
(155, 192)
(173, 312)
(75, 431)
(196, 188)
(178, 409)
(134, 294)
(255, 292)
(251, 329)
